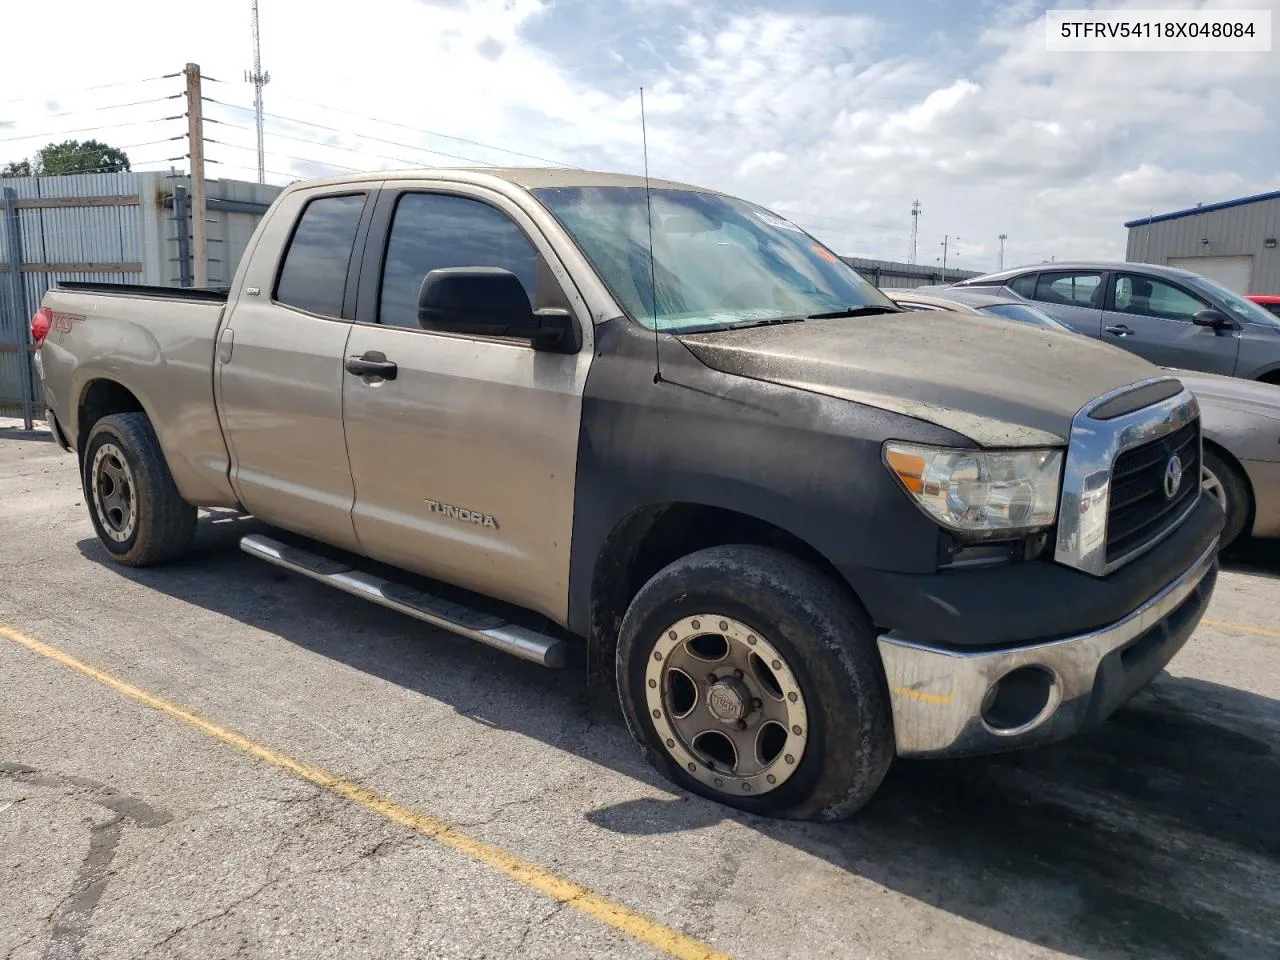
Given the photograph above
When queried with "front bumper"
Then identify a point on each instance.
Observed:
(957, 702)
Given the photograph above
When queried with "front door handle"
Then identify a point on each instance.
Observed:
(1120, 330)
(372, 365)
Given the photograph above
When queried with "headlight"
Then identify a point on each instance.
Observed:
(979, 492)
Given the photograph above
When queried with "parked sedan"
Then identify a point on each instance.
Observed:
(1240, 420)
(1172, 317)
(997, 302)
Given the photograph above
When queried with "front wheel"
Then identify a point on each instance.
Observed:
(1225, 484)
(748, 677)
(135, 507)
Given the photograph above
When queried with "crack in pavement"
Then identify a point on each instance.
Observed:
(535, 922)
(75, 912)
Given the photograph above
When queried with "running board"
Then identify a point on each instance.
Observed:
(437, 611)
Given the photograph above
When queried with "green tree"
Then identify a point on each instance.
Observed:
(81, 156)
(70, 156)
(16, 168)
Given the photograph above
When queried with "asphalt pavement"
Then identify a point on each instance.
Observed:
(217, 758)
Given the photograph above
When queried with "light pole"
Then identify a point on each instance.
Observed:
(1000, 263)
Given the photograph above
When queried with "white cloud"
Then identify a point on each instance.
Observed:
(830, 118)
(768, 161)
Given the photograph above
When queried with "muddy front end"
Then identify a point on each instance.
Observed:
(983, 658)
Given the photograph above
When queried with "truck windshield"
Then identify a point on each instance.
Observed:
(718, 262)
(1246, 311)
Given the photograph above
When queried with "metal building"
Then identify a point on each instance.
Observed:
(1234, 242)
(112, 227)
(902, 276)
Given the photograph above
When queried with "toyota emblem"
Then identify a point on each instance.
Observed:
(1172, 477)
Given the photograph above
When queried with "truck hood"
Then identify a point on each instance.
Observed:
(998, 383)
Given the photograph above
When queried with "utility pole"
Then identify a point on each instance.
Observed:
(915, 224)
(1000, 263)
(259, 79)
(946, 240)
(195, 150)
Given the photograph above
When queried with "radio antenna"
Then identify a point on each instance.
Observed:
(653, 275)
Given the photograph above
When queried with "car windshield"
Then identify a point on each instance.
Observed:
(1020, 311)
(717, 262)
(1246, 311)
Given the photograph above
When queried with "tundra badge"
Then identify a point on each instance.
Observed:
(462, 513)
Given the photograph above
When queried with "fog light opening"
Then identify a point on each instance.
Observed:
(1019, 699)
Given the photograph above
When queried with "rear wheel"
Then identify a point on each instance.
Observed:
(133, 502)
(746, 676)
(1226, 485)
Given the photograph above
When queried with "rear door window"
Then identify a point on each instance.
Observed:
(1073, 289)
(313, 276)
(1024, 286)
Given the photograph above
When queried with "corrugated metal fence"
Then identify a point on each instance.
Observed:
(107, 227)
(902, 276)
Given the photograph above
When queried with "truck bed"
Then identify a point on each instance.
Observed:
(156, 343)
(201, 294)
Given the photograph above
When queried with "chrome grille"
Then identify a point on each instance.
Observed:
(1139, 509)
(1107, 514)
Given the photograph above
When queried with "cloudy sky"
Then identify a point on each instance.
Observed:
(839, 113)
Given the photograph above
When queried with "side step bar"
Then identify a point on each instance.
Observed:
(437, 611)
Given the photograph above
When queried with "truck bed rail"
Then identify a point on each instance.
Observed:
(155, 292)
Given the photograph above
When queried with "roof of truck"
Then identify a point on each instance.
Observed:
(531, 178)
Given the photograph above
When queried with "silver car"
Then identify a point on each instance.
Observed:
(1172, 317)
(1240, 419)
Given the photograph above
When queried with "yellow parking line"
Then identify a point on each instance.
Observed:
(1240, 628)
(607, 911)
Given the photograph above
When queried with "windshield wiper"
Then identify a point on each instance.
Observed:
(767, 321)
(854, 312)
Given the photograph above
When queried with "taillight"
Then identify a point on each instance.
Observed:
(41, 321)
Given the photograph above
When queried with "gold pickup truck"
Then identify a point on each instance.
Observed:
(669, 434)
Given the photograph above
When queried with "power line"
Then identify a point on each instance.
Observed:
(151, 143)
(93, 169)
(434, 133)
(404, 126)
(99, 86)
(338, 146)
(285, 156)
(841, 221)
(113, 106)
(108, 126)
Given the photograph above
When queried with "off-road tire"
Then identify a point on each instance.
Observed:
(165, 524)
(829, 645)
(1238, 497)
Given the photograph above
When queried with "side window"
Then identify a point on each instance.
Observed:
(1150, 297)
(1070, 289)
(314, 274)
(433, 230)
(1024, 286)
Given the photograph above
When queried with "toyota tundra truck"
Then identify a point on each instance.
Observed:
(655, 430)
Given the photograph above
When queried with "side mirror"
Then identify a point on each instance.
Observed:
(1214, 319)
(491, 302)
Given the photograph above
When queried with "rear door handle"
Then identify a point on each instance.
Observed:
(368, 366)
(1120, 330)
